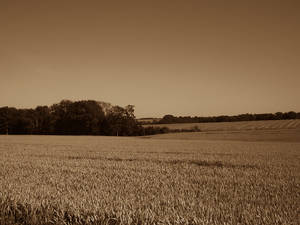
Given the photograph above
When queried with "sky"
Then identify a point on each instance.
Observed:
(186, 58)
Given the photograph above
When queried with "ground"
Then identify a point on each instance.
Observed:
(212, 177)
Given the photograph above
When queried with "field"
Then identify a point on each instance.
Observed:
(276, 135)
(235, 126)
(183, 178)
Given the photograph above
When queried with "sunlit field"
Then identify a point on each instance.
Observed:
(149, 180)
(274, 135)
(235, 126)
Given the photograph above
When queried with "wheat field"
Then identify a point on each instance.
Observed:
(122, 180)
(235, 126)
(274, 135)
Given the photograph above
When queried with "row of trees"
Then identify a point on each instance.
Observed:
(242, 117)
(99, 118)
(72, 118)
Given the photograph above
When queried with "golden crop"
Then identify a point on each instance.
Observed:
(232, 126)
(115, 180)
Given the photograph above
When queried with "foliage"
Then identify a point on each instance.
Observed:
(168, 119)
(71, 118)
(90, 117)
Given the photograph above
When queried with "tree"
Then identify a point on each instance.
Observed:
(168, 119)
(291, 115)
(122, 122)
(43, 120)
(4, 120)
(80, 117)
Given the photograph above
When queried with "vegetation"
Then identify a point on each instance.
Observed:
(90, 117)
(113, 180)
(73, 118)
(167, 119)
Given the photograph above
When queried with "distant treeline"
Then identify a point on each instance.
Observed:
(87, 117)
(167, 119)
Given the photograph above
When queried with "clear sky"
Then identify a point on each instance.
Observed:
(165, 57)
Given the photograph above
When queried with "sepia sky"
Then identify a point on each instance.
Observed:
(165, 57)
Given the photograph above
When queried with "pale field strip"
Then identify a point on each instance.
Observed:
(243, 125)
(285, 135)
(151, 180)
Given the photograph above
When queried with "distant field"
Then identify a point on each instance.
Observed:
(279, 135)
(231, 126)
(148, 120)
(115, 180)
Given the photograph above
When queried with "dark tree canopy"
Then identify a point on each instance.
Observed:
(242, 117)
(71, 118)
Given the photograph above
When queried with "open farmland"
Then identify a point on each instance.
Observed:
(281, 135)
(158, 180)
(235, 126)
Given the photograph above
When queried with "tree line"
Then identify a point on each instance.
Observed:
(167, 119)
(87, 117)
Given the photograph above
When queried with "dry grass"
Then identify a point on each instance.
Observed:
(111, 180)
(235, 126)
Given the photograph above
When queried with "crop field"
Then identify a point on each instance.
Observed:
(235, 126)
(281, 135)
(149, 180)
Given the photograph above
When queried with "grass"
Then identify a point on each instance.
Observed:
(115, 180)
